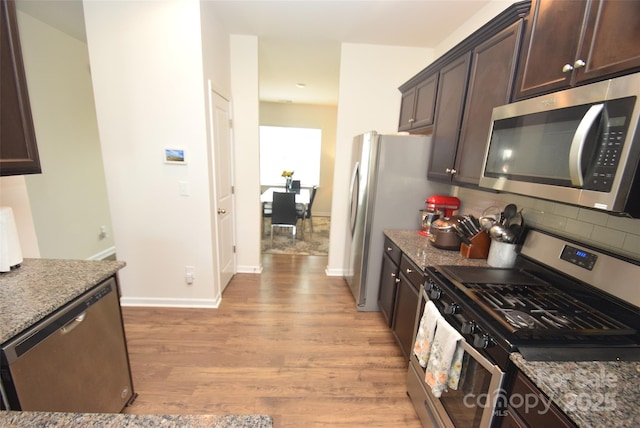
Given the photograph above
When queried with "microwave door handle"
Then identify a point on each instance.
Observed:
(578, 142)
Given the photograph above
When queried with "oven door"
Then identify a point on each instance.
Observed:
(472, 405)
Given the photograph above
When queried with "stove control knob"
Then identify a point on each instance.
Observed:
(435, 293)
(451, 309)
(481, 341)
(468, 327)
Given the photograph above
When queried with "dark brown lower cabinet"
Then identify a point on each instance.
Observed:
(542, 414)
(406, 304)
(388, 288)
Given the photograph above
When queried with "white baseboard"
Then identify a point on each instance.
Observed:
(103, 254)
(249, 269)
(334, 272)
(163, 302)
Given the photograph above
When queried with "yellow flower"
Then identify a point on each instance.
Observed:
(287, 173)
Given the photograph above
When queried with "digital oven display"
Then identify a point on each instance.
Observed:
(578, 257)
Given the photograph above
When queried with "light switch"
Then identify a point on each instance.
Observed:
(184, 188)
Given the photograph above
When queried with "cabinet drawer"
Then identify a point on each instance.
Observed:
(392, 250)
(537, 416)
(413, 273)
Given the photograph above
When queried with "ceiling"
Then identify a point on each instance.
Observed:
(299, 40)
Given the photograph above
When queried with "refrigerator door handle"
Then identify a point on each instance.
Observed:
(353, 196)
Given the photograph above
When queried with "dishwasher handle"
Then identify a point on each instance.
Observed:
(71, 325)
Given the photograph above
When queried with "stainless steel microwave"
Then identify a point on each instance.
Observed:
(579, 146)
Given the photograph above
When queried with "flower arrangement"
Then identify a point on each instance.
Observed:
(287, 174)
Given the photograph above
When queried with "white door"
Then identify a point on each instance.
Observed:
(223, 187)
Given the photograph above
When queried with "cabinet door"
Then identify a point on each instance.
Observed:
(611, 40)
(404, 317)
(490, 84)
(407, 105)
(18, 150)
(388, 285)
(452, 88)
(425, 102)
(551, 41)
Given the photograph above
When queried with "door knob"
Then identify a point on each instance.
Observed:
(221, 211)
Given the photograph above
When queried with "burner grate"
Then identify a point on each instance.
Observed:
(541, 309)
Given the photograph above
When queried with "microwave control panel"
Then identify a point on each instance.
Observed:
(611, 138)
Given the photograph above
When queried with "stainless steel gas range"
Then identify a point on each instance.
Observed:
(562, 301)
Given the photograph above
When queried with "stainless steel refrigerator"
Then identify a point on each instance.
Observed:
(388, 188)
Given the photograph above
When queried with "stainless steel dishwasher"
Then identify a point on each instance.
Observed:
(73, 361)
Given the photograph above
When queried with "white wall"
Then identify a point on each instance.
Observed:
(490, 11)
(13, 193)
(66, 205)
(369, 99)
(147, 69)
(244, 87)
(69, 199)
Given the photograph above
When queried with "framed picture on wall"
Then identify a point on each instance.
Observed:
(175, 155)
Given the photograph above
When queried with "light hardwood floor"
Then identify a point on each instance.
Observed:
(288, 343)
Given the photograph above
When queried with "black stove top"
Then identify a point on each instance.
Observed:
(528, 306)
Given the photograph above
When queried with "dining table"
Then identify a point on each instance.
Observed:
(302, 196)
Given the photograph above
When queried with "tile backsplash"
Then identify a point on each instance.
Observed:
(620, 235)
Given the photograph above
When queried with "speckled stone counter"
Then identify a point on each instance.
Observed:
(41, 286)
(593, 394)
(423, 254)
(108, 420)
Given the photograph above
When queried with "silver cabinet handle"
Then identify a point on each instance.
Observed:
(450, 171)
(579, 63)
(221, 211)
(409, 270)
(389, 249)
(567, 68)
(397, 280)
(411, 120)
(393, 274)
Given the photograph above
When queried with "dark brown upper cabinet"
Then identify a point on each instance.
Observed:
(418, 103)
(568, 43)
(18, 148)
(452, 90)
(493, 69)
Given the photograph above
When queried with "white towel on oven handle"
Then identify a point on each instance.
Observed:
(445, 360)
(426, 331)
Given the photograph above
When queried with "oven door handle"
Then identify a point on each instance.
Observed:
(578, 143)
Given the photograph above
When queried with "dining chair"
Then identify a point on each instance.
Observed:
(305, 213)
(283, 213)
(295, 186)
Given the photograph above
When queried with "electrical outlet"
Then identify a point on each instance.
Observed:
(103, 232)
(189, 274)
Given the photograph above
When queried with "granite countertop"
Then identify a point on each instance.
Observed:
(423, 254)
(39, 287)
(593, 394)
(72, 420)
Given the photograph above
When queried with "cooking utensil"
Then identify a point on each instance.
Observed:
(509, 213)
(487, 222)
(516, 231)
(462, 235)
(496, 231)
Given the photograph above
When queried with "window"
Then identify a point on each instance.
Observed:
(290, 149)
